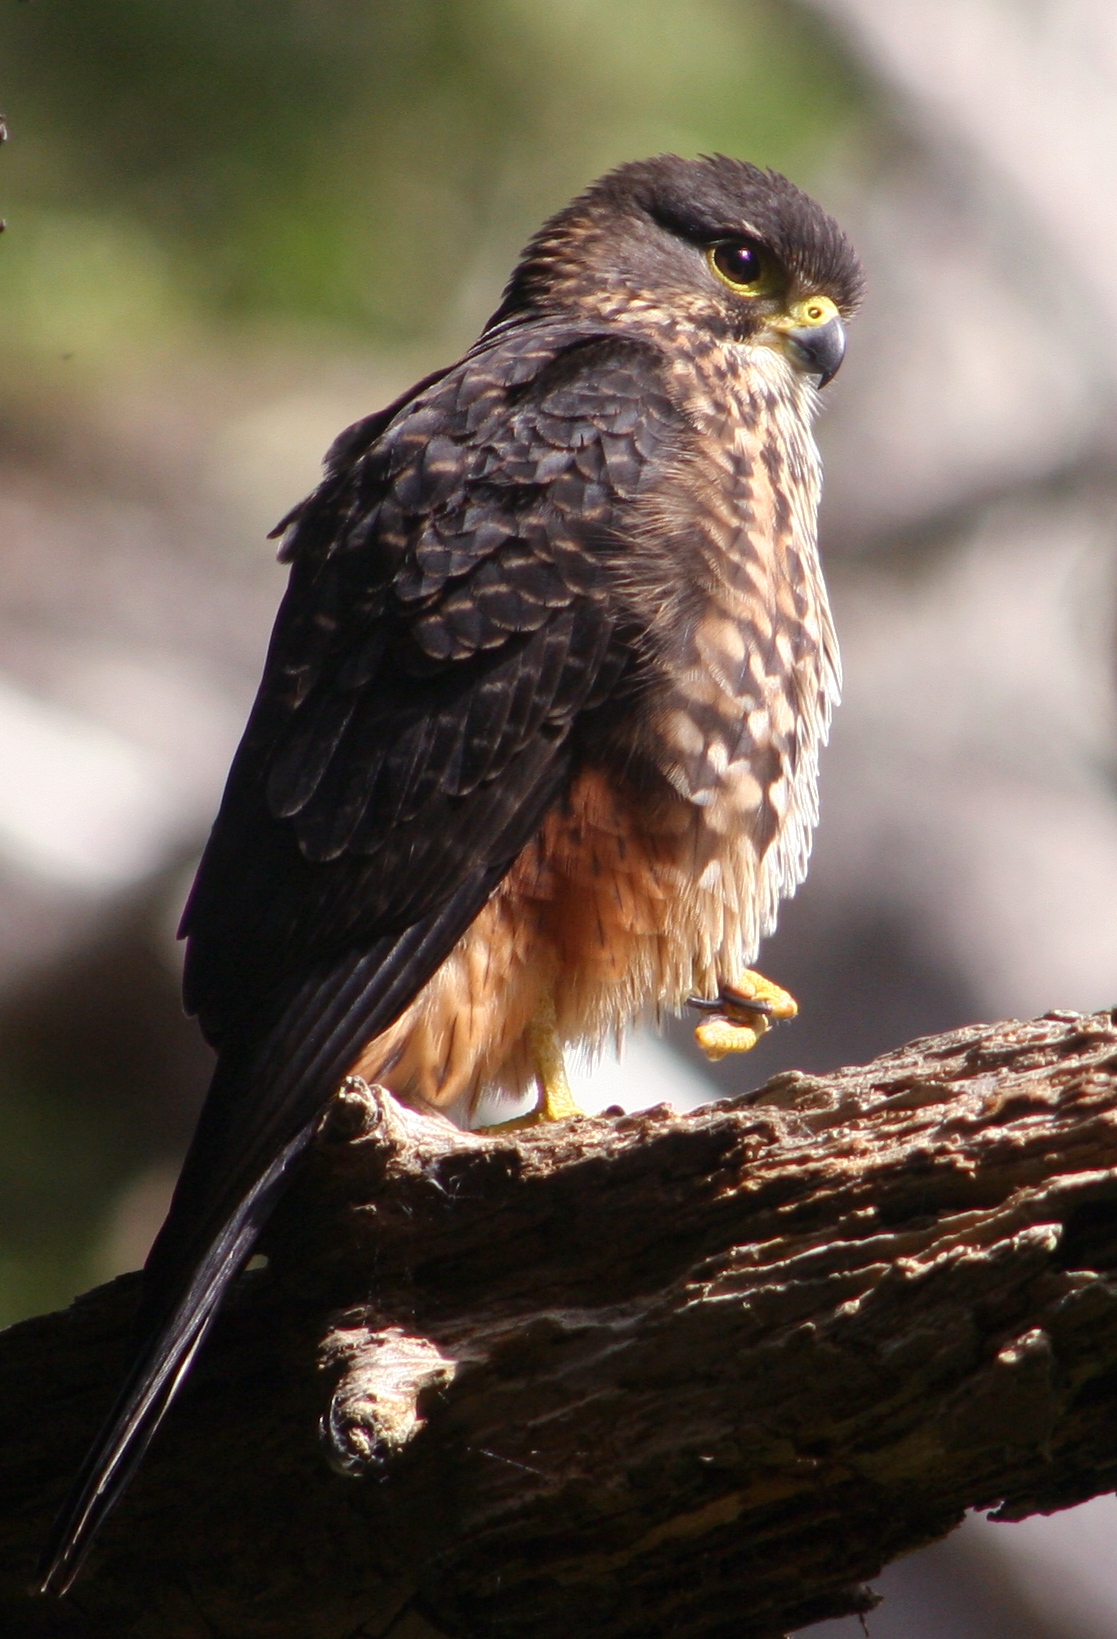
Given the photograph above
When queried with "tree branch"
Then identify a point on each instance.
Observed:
(636, 1375)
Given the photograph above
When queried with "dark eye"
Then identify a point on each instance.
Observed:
(740, 264)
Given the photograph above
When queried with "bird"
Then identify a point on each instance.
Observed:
(535, 750)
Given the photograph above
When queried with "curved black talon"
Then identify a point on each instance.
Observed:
(748, 1004)
(727, 997)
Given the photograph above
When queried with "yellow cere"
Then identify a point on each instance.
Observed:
(810, 313)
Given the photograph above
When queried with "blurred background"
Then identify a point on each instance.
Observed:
(232, 229)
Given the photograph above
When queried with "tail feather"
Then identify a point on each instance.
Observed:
(260, 1116)
(156, 1378)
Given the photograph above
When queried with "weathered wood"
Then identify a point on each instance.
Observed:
(638, 1375)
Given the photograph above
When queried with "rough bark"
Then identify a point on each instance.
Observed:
(653, 1374)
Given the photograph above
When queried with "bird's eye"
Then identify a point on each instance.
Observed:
(742, 265)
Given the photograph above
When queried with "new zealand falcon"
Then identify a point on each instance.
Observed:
(536, 745)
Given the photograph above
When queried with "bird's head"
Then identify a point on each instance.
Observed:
(715, 244)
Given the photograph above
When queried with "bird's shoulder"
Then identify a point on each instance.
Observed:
(518, 410)
(476, 512)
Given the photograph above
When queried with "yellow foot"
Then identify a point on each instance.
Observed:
(556, 1101)
(741, 1014)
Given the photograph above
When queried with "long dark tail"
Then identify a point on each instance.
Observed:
(260, 1116)
(155, 1379)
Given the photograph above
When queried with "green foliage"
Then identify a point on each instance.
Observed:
(59, 1170)
(372, 164)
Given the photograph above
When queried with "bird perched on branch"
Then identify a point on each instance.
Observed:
(536, 746)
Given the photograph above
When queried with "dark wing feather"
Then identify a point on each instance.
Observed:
(451, 627)
(450, 602)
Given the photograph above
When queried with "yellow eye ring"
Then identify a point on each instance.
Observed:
(743, 265)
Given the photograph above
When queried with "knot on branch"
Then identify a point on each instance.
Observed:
(374, 1410)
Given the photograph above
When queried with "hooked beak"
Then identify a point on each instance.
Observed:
(814, 337)
(821, 351)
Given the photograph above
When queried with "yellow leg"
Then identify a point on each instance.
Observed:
(742, 1013)
(556, 1101)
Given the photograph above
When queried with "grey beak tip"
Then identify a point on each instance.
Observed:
(821, 350)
